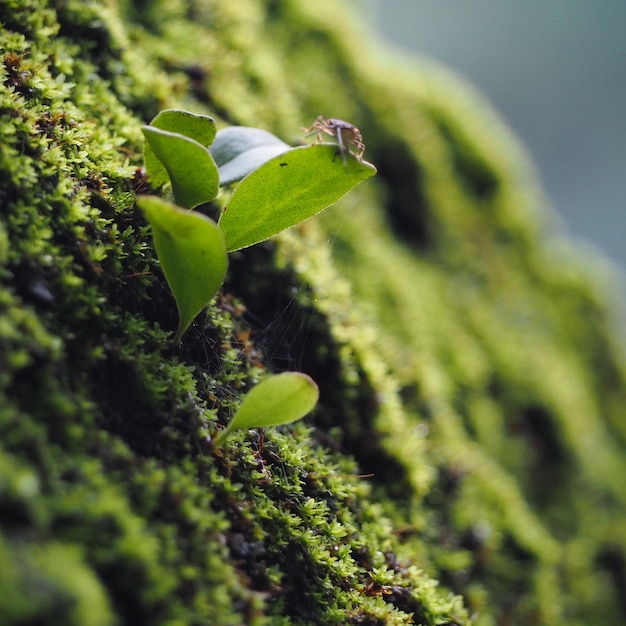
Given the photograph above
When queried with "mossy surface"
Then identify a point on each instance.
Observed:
(465, 462)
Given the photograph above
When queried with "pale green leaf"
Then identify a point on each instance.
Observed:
(279, 399)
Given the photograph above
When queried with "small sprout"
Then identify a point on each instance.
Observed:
(345, 133)
(192, 253)
(280, 187)
(279, 399)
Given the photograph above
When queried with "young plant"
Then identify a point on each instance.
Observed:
(276, 400)
(279, 187)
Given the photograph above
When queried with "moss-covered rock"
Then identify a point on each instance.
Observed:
(466, 461)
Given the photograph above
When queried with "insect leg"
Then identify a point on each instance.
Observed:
(342, 149)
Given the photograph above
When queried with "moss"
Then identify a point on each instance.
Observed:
(467, 453)
(67, 591)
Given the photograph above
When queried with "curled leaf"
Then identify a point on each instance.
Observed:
(238, 150)
(200, 128)
(279, 399)
(287, 190)
(192, 253)
(189, 165)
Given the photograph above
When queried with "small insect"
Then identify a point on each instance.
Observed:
(345, 133)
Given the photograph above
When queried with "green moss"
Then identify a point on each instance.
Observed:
(467, 454)
(66, 589)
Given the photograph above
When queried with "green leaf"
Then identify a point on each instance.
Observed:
(287, 190)
(192, 253)
(189, 165)
(279, 399)
(238, 150)
(200, 128)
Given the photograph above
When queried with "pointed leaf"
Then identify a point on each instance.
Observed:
(189, 165)
(238, 150)
(287, 190)
(200, 128)
(192, 253)
(279, 399)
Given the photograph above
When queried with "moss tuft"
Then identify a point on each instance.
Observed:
(467, 453)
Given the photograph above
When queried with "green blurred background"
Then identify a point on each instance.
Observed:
(556, 71)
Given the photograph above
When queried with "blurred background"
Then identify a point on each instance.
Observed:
(556, 71)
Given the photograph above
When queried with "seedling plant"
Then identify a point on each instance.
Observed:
(275, 186)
